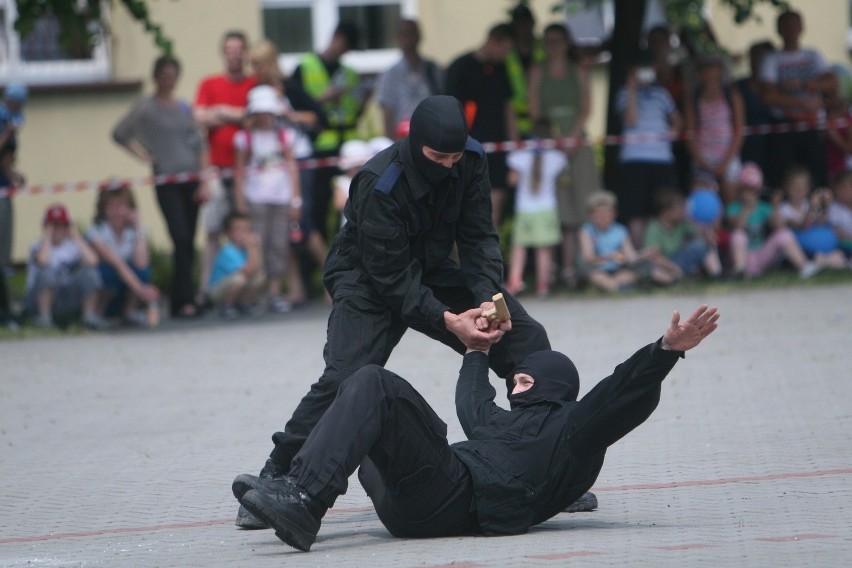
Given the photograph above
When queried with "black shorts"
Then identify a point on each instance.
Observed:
(638, 186)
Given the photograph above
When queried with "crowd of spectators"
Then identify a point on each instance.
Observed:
(690, 200)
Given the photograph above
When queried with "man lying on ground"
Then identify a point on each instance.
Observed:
(517, 469)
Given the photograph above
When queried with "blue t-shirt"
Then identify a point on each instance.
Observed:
(653, 107)
(607, 241)
(230, 259)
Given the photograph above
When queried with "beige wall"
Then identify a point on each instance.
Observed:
(67, 136)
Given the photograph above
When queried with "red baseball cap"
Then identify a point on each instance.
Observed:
(56, 214)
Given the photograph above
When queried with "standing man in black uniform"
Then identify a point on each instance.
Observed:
(517, 469)
(390, 267)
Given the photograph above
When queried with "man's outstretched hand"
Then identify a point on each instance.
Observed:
(683, 336)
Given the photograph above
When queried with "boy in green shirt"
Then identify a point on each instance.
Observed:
(689, 247)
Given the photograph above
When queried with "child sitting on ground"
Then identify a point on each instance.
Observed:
(750, 219)
(609, 260)
(689, 247)
(62, 274)
(121, 244)
(237, 274)
(805, 211)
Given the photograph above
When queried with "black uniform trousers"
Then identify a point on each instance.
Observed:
(380, 422)
(362, 331)
(180, 209)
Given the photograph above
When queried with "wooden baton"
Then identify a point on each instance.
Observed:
(500, 311)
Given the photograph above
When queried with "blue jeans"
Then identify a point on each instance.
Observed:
(690, 256)
(113, 283)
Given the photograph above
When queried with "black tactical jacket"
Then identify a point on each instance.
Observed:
(529, 463)
(400, 233)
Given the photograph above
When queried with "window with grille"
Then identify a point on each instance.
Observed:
(41, 58)
(300, 26)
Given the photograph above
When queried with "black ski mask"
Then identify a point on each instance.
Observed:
(437, 122)
(555, 377)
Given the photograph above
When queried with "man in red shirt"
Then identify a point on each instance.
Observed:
(220, 106)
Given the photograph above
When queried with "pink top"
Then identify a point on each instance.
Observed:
(715, 129)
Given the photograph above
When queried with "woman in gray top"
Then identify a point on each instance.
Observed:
(161, 131)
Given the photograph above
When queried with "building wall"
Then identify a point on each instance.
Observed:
(67, 136)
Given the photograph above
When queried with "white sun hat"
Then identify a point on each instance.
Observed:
(264, 98)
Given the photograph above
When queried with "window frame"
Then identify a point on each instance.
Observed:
(59, 72)
(324, 18)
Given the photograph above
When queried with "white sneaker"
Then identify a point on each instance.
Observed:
(279, 305)
(136, 319)
(809, 270)
(94, 322)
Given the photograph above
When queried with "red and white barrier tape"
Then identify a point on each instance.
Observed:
(313, 163)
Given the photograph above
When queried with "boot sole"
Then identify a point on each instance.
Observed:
(249, 522)
(245, 520)
(291, 533)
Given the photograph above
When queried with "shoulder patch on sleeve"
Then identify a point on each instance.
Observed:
(389, 178)
(473, 145)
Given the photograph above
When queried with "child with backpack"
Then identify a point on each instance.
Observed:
(267, 185)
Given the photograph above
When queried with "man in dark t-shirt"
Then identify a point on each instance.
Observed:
(478, 79)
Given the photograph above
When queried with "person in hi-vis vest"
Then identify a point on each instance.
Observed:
(528, 51)
(336, 87)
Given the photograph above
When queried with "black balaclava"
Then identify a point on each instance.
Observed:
(555, 379)
(437, 122)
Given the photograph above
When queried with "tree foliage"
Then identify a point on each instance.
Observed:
(81, 20)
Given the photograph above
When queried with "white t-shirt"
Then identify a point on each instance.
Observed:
(801, 65)
(64, 257)
(840, 217)
(793, 215)
(122, 244)
(522, 161)
(267, 177)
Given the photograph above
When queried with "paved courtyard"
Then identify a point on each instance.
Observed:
(119, 449)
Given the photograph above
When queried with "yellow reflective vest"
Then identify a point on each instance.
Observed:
(518, 81)
(343, 114)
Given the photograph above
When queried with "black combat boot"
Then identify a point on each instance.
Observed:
(287, 508)
(586, 502)
(246, 520)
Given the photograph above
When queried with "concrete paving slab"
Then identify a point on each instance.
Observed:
(118, 449)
